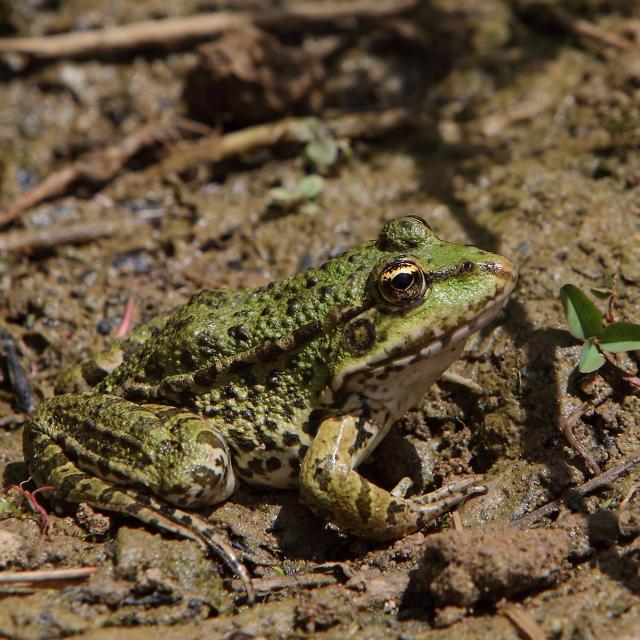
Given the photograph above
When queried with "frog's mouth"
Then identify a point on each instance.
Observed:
(452, 341)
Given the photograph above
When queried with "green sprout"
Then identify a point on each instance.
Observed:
(300, 196)
(322, 150)
(601, 337)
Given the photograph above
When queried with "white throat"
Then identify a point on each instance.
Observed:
(401, 387)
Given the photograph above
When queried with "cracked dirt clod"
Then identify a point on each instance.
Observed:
(483, 565)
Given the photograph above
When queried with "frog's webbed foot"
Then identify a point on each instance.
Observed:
(94, 448)
(331, 487)
(161, 515)
(190, 526)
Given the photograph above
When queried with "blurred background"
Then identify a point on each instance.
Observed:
(150, 149)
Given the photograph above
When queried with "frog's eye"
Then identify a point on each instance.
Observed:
(402, 282)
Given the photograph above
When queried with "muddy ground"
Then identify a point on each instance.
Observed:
(509, 125)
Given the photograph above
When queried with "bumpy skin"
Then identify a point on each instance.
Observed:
(251, 384)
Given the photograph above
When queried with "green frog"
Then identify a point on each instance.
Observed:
(288, 385)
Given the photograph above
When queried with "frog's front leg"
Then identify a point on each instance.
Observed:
(332, 488)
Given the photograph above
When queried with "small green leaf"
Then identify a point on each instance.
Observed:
(620, 336)
(307, 130)
(583, 317)
(322, 153)
(603, 294)
(309, 187)
(310, 209)
(590, 358)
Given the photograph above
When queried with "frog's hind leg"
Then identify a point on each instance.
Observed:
(185, 462)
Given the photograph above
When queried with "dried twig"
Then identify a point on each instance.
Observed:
(605, 478)
(278, 583)
(67, 234)
(546, 12)
(566, 426)
(520, 618)
(46, 575)
(216, 148)
(207, 150)
(176, 32)
(627, 496)
(96, 168)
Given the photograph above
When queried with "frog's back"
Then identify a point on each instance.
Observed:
(223, 329)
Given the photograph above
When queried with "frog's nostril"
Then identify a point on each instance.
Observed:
(504, 269)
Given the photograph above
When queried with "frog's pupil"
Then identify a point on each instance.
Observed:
(402, 280)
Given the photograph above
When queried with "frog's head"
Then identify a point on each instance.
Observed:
(424, 298)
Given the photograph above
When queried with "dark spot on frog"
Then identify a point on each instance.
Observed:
(273, 463)
(272, 425)
(290, 439)
(270, 444)
(239, 332)
(352, 258)
(322, 474)
(466, 267)
(363, 501)
(393, 508)
(229, 392)
(187, 360)
(327, 292)
(58, 460)
(205, 476)
(255, 464)
(307, 332)
(294, 463)
(106, 495)
(134, 508)
(244, 442)
(293, 307)
(103, 467)
(273, 378)
(166, 509)
(311, 282)
(248, 414)
(360, 335)
(298, 403)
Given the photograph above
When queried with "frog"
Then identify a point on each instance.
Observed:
(289, 385)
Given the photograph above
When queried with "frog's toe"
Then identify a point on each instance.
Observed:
(458, 490)
(448, 497)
